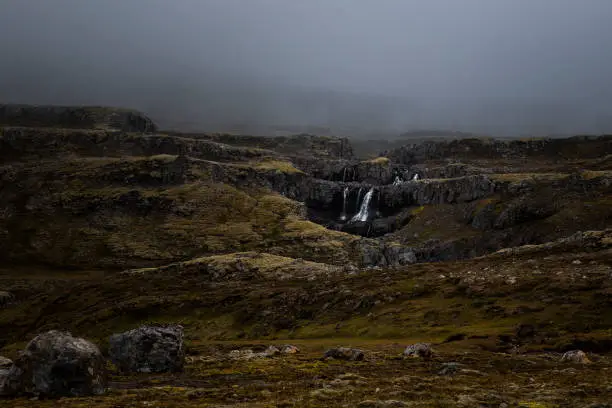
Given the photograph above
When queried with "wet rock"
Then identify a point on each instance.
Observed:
(575, 356)
(449, 368)
(56, 364)
(425, 192)
(419, 350)
(149, 349)
(345, 353)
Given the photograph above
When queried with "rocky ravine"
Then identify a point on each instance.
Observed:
(93, 197)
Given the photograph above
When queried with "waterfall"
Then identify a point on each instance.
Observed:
(344, 198)
(415, 177)
(363, 213)
(397, 181)
(344, 175)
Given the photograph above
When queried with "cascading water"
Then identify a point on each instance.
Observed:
(344, 199)
(364, 210)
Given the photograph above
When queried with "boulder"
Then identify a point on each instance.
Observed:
(575, 356)
(149, 349)
(289, 349)
(56, 364)
(422, 350)
(344, 353)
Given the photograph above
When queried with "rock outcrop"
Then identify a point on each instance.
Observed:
(423, 192)
(149, 349)
(574, 147)
(76, 117)
(56, 364)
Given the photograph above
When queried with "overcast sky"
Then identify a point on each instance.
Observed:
(556, 51)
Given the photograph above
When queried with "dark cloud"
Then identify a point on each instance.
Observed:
(499, 66)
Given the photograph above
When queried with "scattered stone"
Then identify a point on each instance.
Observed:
(248, 354)
(419, 350)
(575, 356)
(344, 353)
(289, 349)
(449, 368)
(149, 349)
(56, 364)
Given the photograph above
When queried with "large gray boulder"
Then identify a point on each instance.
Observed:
(149, 349)
(56, 364)
(419, 350)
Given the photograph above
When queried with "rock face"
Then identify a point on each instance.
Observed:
(422, 350)
(76, 117)
(57, 364)
(570, 147)
(424, 192)
(575, 356)
(344, 353)
(149, 349)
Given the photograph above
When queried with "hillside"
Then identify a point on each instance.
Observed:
(499, 252)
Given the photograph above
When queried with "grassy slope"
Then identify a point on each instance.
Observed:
(79, 209)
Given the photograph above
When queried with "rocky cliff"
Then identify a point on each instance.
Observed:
(70, 117)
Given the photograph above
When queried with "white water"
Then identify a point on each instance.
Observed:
(364, 210)
(415, 177)
(344, 198)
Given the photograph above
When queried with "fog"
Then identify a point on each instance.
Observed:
(360, 67)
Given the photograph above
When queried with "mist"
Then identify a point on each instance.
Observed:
(354, 67)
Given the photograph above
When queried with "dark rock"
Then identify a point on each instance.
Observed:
(525, 330)
(149, 349)
(576, 147)
(424, 192)
(6, 298)
(397, 255)
(76, 117)
(55, 364)
(420, 350)
(449, 368)
(5, 365)
(344, 353)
